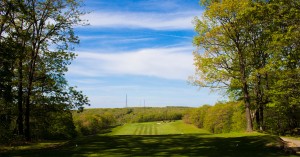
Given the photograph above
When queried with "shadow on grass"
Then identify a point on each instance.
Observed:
(162, 145)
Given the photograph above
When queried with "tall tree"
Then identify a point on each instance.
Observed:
(52, 24)
(37, 40)
(20, 32)
(225, 62)
(252, 49)
(7, 59)
(285, 91)
(259, 38)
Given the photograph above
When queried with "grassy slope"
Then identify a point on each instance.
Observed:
(157, 128)
(193, 142)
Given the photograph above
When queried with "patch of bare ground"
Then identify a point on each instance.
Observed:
(291, 146)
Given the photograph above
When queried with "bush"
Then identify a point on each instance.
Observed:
(221, 118)
(199, 115)
(62, 126)
(6, 133)
(282, 120)
(218, 118)
(238, 118)
(56, 125)
(93, 124)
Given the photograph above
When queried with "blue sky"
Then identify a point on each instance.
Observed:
(142, 48)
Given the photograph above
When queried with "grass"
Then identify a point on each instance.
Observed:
(157, 128)
(33, 146)
(165, 139)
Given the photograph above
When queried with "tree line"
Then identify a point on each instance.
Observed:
(251, 50)
(220, 118)
(36, 44)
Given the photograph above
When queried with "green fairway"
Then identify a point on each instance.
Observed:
(156, 128)
(164, 139)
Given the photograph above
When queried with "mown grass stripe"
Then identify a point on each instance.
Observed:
(135, 131)
(146, 130)
(141, 127)
(150, 129)
(155, 130)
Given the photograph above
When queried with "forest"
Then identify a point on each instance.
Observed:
(36, 43)
(247, 50)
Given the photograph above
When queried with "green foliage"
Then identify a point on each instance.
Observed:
(196, 116)
(252, 51)
(238, 118)
(220, 118)
(88, 124)
(156, 114)
(61, 126)
(282, 120)
(36, 44)
(224, 33)
(6, 131)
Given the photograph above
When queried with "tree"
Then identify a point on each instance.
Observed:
(19, 31)
(285, 91)
(258, 41)
(52, 24)
(225, 62)
(37, 40)
(252, 50)
(7, 59)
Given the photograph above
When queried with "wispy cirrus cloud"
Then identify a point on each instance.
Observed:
(167, 63)
(123, 52)
(114, 39)
(146, 20)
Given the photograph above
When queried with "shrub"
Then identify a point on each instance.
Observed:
(62, 126)
(238, 118)
(282, 120)
(199, 115)
(218, 118)
(221, 118)
(88, 124)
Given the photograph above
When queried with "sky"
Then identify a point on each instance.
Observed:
(142, 48)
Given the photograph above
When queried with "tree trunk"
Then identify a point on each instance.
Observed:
(34, 54)
(245, 89)
(27, 101)
(259, 102)
(257, 116)
(27, 104)
(247, 106)
(27, 114)
(261, 117)
(20, 97)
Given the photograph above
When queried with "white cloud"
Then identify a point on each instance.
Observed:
(148, 20)
(114, 39)
(168, 63)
